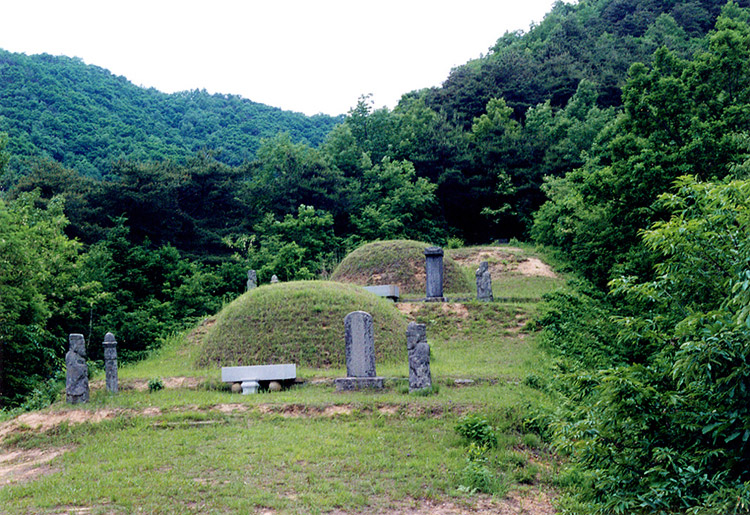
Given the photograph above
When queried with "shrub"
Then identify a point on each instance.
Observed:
(476, 429)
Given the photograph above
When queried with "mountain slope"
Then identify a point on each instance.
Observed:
(85, 117)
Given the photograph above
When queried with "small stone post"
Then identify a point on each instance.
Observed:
(274, 279)
(434, 274)
(360, 353)
(419, 357)
(252, 280)
(110, 362)
(76, 371)
(484, 282)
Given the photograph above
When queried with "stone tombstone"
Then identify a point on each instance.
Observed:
(76, 371)
(360, 344)
(252, 280)
(274, 279)
(110, 362)
(360, 354)
(434, 273)
(484, 282)
(419, 357)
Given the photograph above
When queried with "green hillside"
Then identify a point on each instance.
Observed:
(86, 118)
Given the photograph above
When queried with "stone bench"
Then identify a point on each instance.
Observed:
(250, 377)
(389, 291)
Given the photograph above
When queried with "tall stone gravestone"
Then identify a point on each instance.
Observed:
(434, 274)
(252, 280)
(76, 371)
(419, 357)
(484, 282)
(360, 353)
(110, 362)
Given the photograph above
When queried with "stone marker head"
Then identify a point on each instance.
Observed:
(77, 344)
(109, 339)
(415, 333)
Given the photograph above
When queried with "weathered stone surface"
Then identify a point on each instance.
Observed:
(236, 388)
(274, 279)
(389, 291)
(252, 280)
(274, 386)
(434, 273)
(360, 344)
(419, 357)
(259, 373)
(484, 282)
(76, 371)
(249, 387)
(345, 384)
(110, 362)
(360, 354)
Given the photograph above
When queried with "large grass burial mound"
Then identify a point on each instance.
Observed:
(299, 322)
(400, 262)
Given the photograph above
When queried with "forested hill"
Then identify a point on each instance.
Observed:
(596, 40)
(85, 117)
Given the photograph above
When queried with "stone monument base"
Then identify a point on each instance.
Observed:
(435, 299)
(345, 384)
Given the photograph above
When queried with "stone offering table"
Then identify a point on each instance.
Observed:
(251, 377)
(389, 291)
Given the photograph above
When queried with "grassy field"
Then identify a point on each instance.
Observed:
(308, 449)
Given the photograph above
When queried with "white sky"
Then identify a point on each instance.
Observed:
(314, 56)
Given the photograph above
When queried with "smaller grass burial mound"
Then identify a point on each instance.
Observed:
(400, 262)
(299, 322)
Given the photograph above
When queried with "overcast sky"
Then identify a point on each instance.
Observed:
(311, 56)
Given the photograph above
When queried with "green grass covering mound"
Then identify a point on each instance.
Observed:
(299, 322)
(398, 262)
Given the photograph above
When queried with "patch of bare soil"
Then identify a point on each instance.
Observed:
(449, 308)
(409, 309)
(45, 420)
(516, 503)
(197, 334)
(505, 260)
(141, 385)
(534, 266)
(26, 465)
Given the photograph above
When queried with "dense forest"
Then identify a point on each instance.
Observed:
(86, 118)
(615, 132)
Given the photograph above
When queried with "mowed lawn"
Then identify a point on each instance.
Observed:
(308, 449)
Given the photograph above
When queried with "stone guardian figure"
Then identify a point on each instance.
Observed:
(484, 283)
(252, 280)
(76, 371)
(419, 357)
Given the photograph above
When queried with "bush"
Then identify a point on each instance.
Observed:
(156, 384)
(476, 429)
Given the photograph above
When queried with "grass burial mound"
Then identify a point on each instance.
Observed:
(299, 322)
(398, 262)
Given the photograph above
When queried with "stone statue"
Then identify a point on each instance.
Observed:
(76, 371)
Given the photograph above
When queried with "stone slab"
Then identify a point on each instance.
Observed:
(389, 291)
(345, 384)
(359, 344)
(258, 373)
